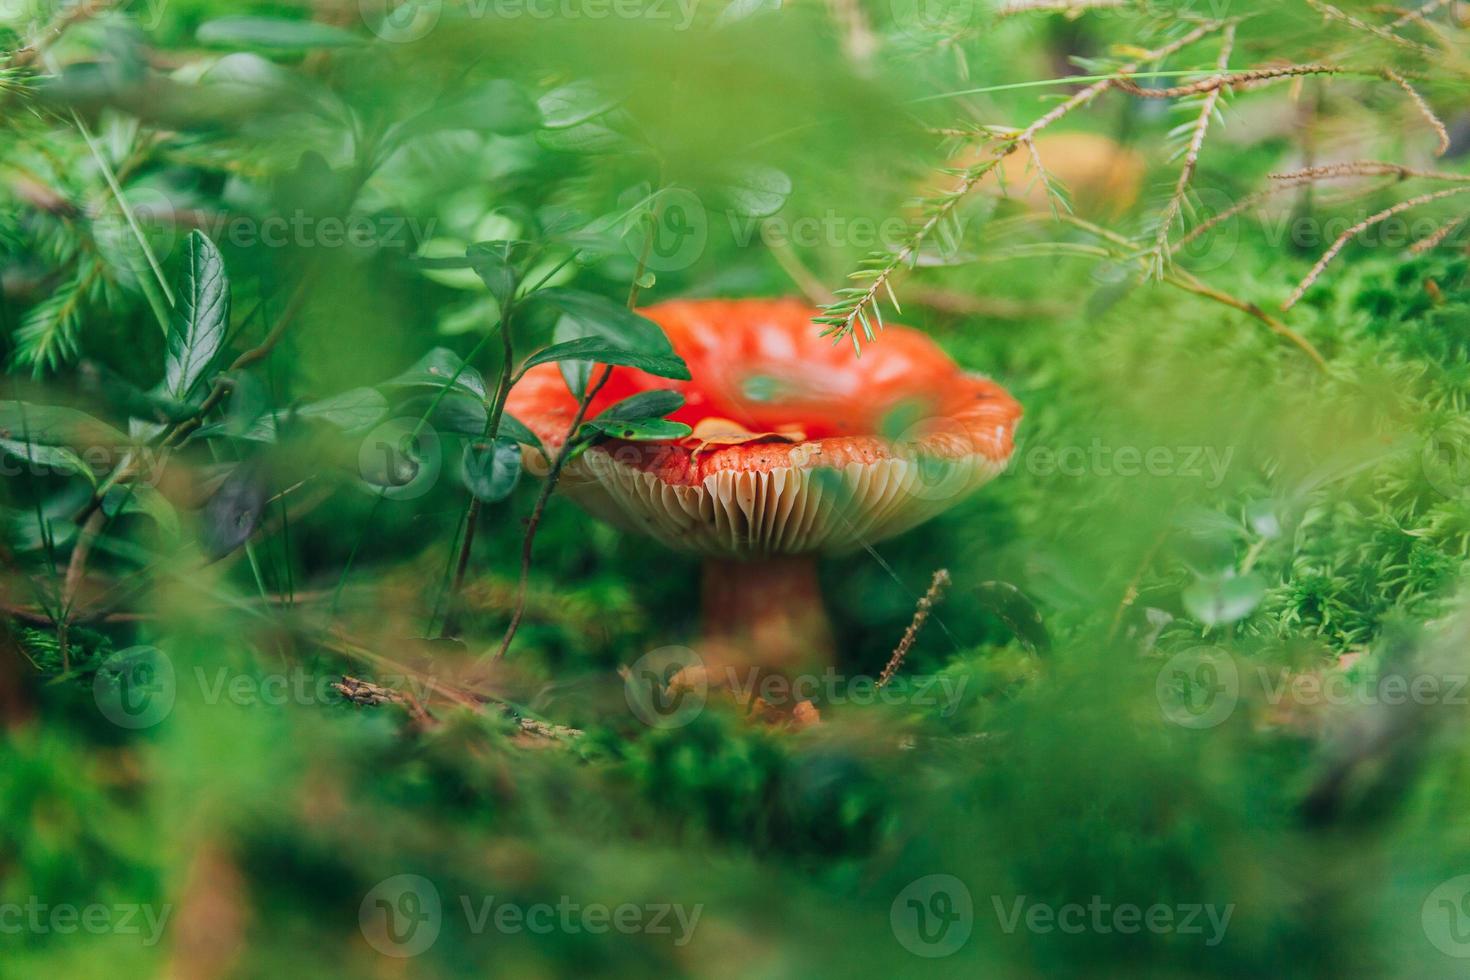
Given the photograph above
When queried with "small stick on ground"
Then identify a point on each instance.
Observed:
(921, 616)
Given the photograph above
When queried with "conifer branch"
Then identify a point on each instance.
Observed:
(1158, 259)
(1357, 229)
(859, 306)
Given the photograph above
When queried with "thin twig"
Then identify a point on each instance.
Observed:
(1352, 232)
(1420, 14)
(1368, 168)
(930, 599)
(1424, 110)
(1437, 238)
(76, 571)
(1328, 11)
(1235, 80)
(1159, 258)
(1189, 283)
(841, 318)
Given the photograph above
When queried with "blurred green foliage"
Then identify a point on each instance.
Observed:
(1299, 523)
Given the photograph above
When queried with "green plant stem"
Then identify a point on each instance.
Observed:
(378, 500)
(529, 541)
(491, 431)
(568, 445)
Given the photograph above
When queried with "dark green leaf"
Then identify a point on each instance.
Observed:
(55, 425)
(654, 430)
(574, 373)
(235, 510)
(644, 405)
(436, 368)
(127, 398)
(48, 458)
(491, 470)
(494, 263)
(465, 416)
(598, 316)
(274, 33)
(143, 500)
(600, 351)
(201, 317)
(350, 411)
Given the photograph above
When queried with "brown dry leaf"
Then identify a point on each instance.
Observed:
(715, 432)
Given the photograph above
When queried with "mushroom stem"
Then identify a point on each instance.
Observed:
(766, 612)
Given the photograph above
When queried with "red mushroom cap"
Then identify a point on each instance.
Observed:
(793, 450)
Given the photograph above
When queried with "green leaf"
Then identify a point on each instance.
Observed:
(200, 319)
(126, 398)
(574, 373)
(465, 416)
(231, 516)
(274, 33)
(598, 316)
(588, 137)
(758, 192)
(434, 370)
(49, 457)
(350, 411)
(644, 405)
(571, 104)
(495, 106)
(513, 428)
(1217, 601)
(644, 430)
(491, 470)
(600, 351)
(55, 425)
(493, 262)
(143, 500)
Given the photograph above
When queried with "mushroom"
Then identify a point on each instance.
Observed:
(799, 448)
